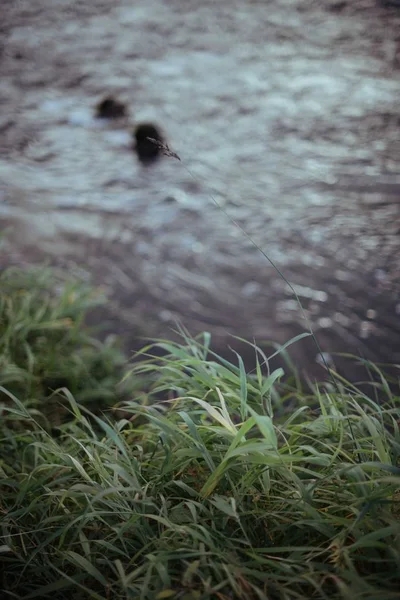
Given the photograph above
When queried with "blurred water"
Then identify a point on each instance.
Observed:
(284, 112)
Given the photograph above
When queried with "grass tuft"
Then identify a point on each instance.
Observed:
(224, 485)
(45, 346)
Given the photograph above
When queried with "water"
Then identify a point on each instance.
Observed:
(285, 113)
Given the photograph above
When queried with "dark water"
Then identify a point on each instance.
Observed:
(286, 113)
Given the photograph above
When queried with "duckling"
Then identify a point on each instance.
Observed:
(110, 108)
(147, 150)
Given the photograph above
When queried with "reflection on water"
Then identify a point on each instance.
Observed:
(285, 113)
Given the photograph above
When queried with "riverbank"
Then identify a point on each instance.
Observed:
(207, 482)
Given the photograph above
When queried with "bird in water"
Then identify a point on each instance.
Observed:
(110, 108)
(146, 136)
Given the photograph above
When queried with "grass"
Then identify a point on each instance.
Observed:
(44, 346)
(215, 484)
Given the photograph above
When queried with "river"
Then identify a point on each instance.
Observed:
(284, 113)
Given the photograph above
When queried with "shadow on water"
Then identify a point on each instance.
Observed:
(287, 115)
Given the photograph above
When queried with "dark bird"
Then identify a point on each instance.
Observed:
(147, 149)
(110, 108)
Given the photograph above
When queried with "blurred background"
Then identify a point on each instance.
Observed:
(285, 112)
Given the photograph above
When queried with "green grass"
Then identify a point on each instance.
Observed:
(44, 345)
(221, 485)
